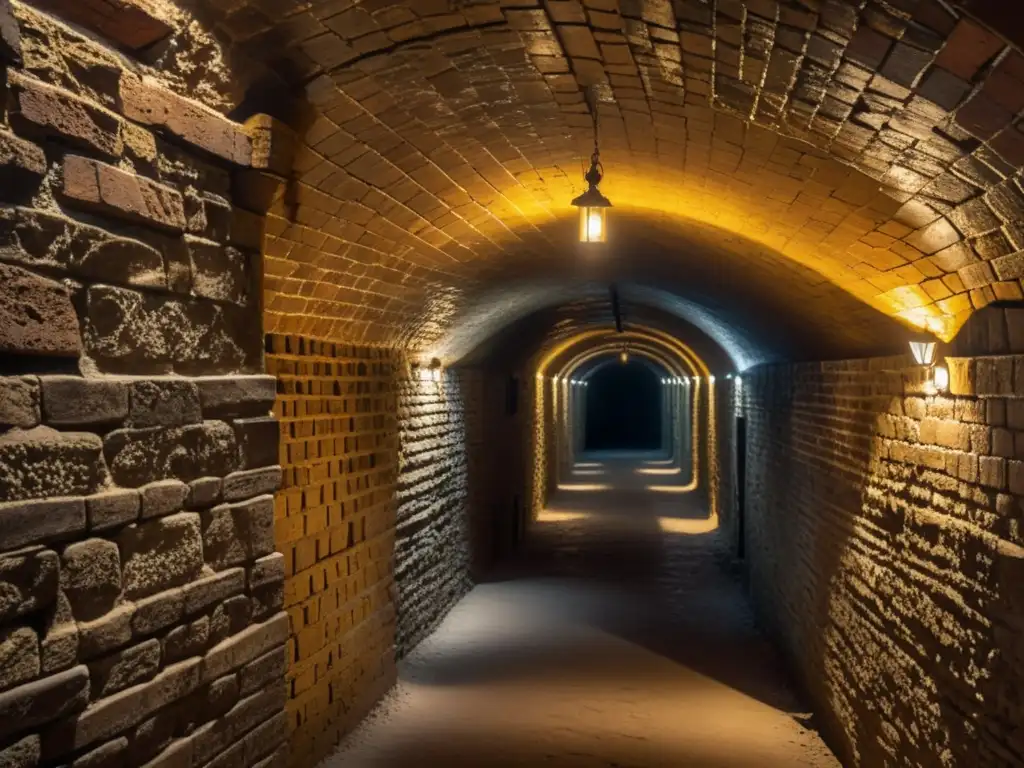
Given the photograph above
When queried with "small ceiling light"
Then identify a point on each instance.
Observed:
(592, 204)
(923, 352)
(624, 355)
(940, 377)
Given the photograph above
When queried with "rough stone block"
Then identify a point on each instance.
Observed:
(158, 611)
(113, 630)
(29, 706)
(248, 644)
(19, 656)
(90, 576)
(25, 753)
(267, 570)
(28, 522)
(213, 589)
(19, 401)
(162, 498)
(279, 759)
(138, 456)
(109, 190)
(72, 401)
(153, 735)
(178, 754)
(222, 696)
(28, 581)
(253, 482)
(204, 492)
(22, 166)
(273, 144)
(262, 671)
(230, 617)
(116, 714)
(146, 101)
(218, 272)
(125, 668)
(265, 738)
(187, 640)
(237, 533)
(43, 463)
(36, 316)
(131, 24)
(230, 396)
(257, 708)
(112, 509)
(60, 642)
(267, 600)
(164, 553)
(113, 754)
(44, 240)
(135, 333)
(258, 441)
(53, 111)
(164, 403)
(10, 42)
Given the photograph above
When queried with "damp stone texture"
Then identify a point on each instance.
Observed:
(140, 590)
(885, 546)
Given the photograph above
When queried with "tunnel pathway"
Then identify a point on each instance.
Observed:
(619, 638)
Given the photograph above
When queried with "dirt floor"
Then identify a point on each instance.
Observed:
(621, 638)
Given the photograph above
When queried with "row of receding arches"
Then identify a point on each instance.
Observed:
(690, 390)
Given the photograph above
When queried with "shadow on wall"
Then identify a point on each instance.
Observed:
(885, 550)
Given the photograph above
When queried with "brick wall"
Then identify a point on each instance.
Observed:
(885, 550)
(140, 593)
(335, 524)
(433, 545)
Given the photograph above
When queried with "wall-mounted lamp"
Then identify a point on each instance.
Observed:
(923, 352)
(624, 356)
(924, 355)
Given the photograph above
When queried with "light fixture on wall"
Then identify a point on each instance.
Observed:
(624, 355)
(592, 204)
(924, 355)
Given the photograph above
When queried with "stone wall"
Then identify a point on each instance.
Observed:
(433, 544)
(886, 553)
(336, 527)
(139, 589)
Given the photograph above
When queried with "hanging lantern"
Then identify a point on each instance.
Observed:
(592, 204)
(923, 352)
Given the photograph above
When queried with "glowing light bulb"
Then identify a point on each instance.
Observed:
(594, 226)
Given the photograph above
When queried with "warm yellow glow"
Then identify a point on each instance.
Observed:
(941, 378)
(624, 357)
(583, 487)
(691, 486)
(549, 516)
(689, 527)
(592, 225)
(667, 471)
(923, 351)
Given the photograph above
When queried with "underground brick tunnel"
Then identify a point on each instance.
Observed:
(314, 381)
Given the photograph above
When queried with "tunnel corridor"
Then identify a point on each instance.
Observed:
(552, 382)
(620, 636)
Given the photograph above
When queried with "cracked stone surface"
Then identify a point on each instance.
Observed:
(616, 640)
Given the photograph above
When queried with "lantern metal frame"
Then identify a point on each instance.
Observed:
(592, 204)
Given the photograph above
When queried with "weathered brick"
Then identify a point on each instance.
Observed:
(110, 190)
(112, 509)
(72, 401)
(33, 704)
(36, 316)
(22, 164)
(238, 533)
(226, 396)
(245, 646)
(19, 401)
(132, 24)
(146, 101)
(56, 112)
(28, 522)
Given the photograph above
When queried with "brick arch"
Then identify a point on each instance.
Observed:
(873, 143)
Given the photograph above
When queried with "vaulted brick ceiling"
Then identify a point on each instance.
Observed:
(773, 153)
